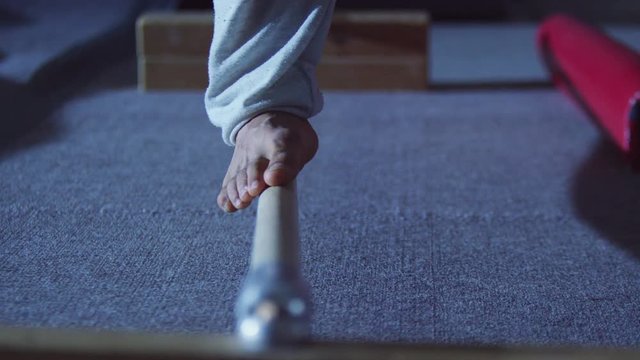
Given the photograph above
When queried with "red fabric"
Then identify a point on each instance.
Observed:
(604, 74)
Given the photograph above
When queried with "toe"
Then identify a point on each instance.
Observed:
(223, 201)
(228, 207)
(255, 177)
(241, 187)
(234, 201)
(244, 199)
(282, 168)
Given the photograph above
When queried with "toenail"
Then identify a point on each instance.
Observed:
(254, 185)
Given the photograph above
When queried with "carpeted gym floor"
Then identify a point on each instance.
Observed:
(459, 217)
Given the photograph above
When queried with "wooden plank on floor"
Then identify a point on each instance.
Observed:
(365, 50)
(50, 344)
(344, 73)
(376, 50)
(397, 72)
(378, 33)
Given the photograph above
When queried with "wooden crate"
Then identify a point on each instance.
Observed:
(174, 35)
(364, 51)
(368, 50)
(172, 50)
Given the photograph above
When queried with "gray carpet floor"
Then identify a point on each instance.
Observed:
(495, 217)
(491, 217)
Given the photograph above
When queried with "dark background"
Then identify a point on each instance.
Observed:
(618, 11)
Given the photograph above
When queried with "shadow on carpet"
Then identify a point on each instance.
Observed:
(23, 110)
(40, 72)
(606, 194)
(28, 110)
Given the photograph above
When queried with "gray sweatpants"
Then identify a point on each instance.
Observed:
(263, 58)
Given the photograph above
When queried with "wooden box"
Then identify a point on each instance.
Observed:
(364, 50)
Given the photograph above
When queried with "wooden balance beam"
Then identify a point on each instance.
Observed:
(281, 334)
(364, 50)
(57, 344)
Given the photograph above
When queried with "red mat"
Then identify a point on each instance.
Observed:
(602, 74)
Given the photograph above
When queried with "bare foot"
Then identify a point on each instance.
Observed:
(271, 149)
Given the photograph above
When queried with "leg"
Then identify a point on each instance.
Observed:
(262, 90)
